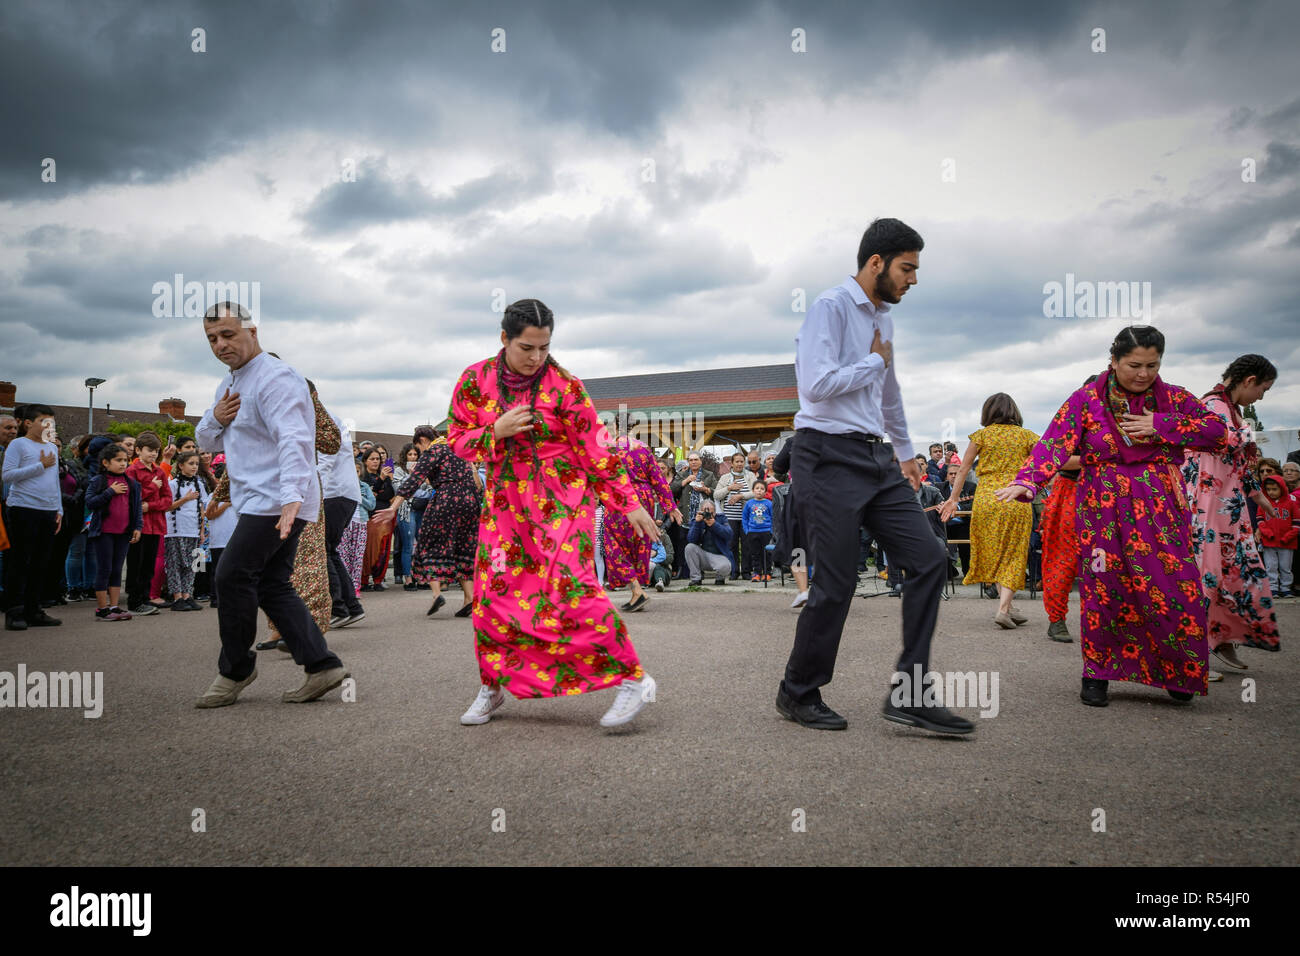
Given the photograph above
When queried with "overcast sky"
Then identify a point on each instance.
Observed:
(1019, 152)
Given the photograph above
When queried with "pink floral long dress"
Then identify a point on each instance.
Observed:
(543, 626)
(627, 554)
(1142, 610)
(1232, 571)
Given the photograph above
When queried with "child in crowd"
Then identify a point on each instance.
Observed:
(352, 546)
(756, 520)
(155, 503)
(221, 518)
(661, 561)
(114, 507)
(185, 527)
(1278, 536)
(35, 513)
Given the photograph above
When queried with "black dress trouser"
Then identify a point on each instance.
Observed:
(845, 483)
(254, 572)
(337, 513)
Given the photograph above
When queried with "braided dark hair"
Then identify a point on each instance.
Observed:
(182, 480)
(1244, 366)
(518, 316)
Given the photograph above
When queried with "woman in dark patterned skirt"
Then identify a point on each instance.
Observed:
(444, 547)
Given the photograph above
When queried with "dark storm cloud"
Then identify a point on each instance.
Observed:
(115, 94)
(88, 285)
(378, 197)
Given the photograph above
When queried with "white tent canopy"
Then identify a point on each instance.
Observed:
(1277, 442)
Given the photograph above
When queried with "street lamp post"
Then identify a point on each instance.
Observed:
(90, 406)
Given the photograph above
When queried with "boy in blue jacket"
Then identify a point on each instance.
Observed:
(115, 519)
(757, 524)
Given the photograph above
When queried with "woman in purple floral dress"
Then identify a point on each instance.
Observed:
(627, 554)
(1142, 608)
(543, 626)
(1218, 484)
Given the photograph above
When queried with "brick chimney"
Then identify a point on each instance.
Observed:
(172, 407)
(8, 391)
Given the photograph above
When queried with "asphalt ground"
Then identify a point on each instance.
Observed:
(708, 773)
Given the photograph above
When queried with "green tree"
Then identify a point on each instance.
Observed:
(162, 428)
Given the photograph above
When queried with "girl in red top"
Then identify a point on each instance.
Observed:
(156, 500)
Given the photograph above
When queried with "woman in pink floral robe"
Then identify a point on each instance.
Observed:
(1142, 610)
(1218, 484)
(627, 554)
(543, 626)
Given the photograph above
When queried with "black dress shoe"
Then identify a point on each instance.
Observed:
(637, 604)
(272, 645)
(465, 610)
(41, 619)
(436, 605)
(425, 587)
(410, 586)
(15, 622)
(1094, 692)
(1182, 696)
(815, 715)
(380, 587)
(940, 720)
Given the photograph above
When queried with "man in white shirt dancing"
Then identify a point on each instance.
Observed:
(264, 422)
(848, 476)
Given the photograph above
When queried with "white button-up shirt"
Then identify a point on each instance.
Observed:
(843, 385)
(338, 472)
(271, 442)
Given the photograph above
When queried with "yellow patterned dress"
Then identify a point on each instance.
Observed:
(999, 530)
(311, 578)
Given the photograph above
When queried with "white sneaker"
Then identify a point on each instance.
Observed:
(632, 696)
(488, 700)
(800, 599)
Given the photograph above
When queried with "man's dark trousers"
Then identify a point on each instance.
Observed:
(337, 512)
(254, 572)
(31, 539)
(845, 483)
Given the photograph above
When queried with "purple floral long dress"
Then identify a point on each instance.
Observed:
(543, 625)
(1232, 571)
(627, 554)
(1143, 614)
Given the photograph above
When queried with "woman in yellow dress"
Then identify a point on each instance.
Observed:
(999, 531)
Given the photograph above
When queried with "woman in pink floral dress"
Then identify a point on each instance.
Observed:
(1218, 484)
(627, 554)
(543, 626)
(1142, 610)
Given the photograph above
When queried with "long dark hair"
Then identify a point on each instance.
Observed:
(1244, 366)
